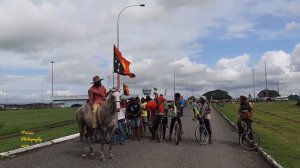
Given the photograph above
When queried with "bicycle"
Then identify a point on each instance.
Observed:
(201, 133)
(160, 129)
(177, 132)
(249, 140)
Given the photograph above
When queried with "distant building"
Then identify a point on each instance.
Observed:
(147, 92)
(68, 101)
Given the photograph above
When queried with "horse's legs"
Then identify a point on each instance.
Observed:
(88, 144)
(110, 143)
(102, 141)
(111, 155)
(85, 140)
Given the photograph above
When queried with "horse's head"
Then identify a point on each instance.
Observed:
(116, 99)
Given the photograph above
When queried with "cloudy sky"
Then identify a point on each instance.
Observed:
(209, 45)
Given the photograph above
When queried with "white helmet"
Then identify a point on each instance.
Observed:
(203, 97)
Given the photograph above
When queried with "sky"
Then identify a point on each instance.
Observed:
(208, 45)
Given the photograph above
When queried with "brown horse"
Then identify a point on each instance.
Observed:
(107, 122)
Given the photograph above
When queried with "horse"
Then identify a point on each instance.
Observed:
(107, 122)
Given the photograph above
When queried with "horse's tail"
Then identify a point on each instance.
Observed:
(80, 122)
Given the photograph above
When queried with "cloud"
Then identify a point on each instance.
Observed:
(79, 37)
(291, 26)
(239, 30)
(295, 58)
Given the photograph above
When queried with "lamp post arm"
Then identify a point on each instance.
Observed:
(119, 19)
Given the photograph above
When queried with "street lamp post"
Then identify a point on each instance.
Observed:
(253, 85)
(52, 62)
(175, 80)
(118, 43)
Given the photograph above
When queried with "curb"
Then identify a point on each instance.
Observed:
(54, 141)
(264, 154)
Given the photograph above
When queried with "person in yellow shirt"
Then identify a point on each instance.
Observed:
(144, 113)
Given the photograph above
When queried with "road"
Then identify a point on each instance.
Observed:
(223, 152)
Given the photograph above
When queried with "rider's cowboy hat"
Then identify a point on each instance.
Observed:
(96, 79)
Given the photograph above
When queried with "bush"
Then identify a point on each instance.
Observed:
(76, 105)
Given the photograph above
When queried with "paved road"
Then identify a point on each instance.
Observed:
(224, 152)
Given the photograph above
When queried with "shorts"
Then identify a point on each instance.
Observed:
(135, 122)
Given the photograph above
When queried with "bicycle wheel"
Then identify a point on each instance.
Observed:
(177, 133)
(159, 132)
(249, 141)
(201, 135)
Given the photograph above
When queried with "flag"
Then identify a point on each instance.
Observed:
(126, 90)
(121, 65)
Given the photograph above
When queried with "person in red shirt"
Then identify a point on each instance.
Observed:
(97, 95)
(151, 106)
(161, 113)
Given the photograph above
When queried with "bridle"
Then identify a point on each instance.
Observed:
(112, 104)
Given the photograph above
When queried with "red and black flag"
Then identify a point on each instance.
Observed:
(121, 65)
(126, 90)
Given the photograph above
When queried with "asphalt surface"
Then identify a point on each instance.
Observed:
(223, 152)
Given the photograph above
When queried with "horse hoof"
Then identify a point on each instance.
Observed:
(92, 154)
(83, 155)
(102, 158)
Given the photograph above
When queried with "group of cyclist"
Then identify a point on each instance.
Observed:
(146, 113)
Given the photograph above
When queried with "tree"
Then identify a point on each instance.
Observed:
(271, 93)
(218, 95)
(293, 97)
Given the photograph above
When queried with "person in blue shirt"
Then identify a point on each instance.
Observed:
(181, 103)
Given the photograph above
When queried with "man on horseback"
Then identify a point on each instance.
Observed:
(97, 95)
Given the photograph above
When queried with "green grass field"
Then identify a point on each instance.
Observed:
(278, 125)
(47, 124)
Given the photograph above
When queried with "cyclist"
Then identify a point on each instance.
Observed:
(204, 113)
(196, 108)
(161, 113)
(245, 113)
(177, 114)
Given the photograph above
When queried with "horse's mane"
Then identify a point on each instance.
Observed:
(108, 100)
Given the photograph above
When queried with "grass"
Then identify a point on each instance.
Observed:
(15, 121)
(278, 125)
(14, 143)
(43, 120)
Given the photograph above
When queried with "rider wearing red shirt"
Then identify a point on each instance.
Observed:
(97, 95)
